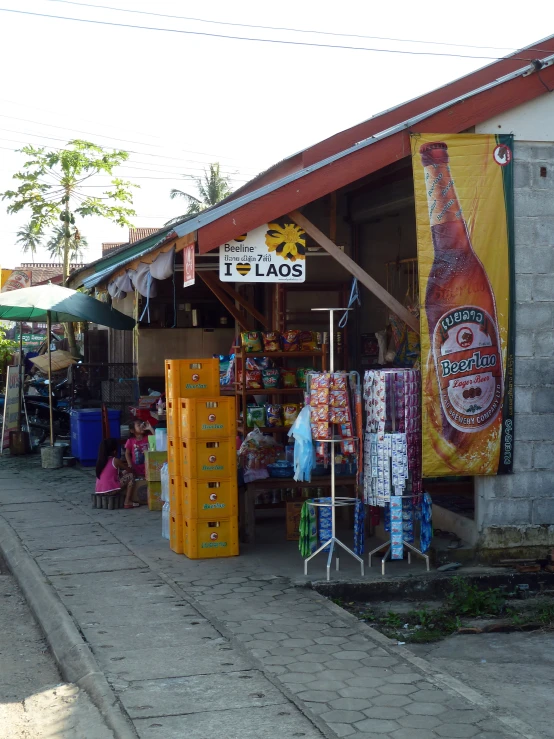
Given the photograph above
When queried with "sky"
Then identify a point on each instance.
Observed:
(178, 101)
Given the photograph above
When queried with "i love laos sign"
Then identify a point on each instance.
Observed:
(274, 252)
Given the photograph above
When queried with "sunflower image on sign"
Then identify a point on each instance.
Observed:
(286, 239)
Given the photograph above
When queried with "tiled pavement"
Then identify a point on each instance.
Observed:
(244, 638)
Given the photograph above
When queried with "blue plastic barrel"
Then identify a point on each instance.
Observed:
(86, 433)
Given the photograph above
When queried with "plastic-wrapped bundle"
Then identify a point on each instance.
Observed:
(304, 451)
(426, 522)
(164, 477)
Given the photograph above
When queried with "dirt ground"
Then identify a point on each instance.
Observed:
(34, 701)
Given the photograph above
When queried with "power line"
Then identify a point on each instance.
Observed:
(263, 40)
(281, 28)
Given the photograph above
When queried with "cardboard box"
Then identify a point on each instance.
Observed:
(155, 502)
(153, 465)
(294, 509)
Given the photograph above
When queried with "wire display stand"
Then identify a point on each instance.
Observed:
(340, 501)
(388, 544)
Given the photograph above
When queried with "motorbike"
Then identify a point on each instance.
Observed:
(36, 420)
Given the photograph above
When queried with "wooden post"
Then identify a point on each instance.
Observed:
(355, 269)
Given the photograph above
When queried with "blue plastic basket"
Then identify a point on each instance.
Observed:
(279, 470)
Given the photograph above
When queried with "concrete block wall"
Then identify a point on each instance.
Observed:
(518, 510)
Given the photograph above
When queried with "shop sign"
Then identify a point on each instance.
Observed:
(188, 265)
(11, 405)
(464, 210)
(274, 252)
(19, 278)
(32, 341)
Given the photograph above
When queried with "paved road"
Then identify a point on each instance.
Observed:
(34, 702)
(227, 647)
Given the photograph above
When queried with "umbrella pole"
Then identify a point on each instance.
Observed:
(21, 377)
(49, 332)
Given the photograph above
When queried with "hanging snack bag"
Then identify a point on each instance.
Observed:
(251, 341)
(290, 341)
(271, 378)
(307, 341)
(321, 430)
(288, 378)
(272, 341)
(290, 413)
(254, 380)
(338, 399)
(258, 363)
(339, 381)
(301, 373)
(255, 416)
(273, 415)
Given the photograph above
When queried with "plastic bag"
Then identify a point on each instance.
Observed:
(304, 450)
(164, 477)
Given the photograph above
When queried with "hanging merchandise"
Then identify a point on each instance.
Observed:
(426, 522)
(359, 527)
(304, 451)
(307, 543)
(396, 528)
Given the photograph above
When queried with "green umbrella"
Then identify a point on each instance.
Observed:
(61, 305)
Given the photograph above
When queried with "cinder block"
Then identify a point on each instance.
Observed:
(536, 152)
(532, 203)
(524, 288)
(524, 484)
(506, 511)
(542, 228)
(543, 288)
(531, 316)
(538, 182)
(522, 174)
(523, 399)
(543, 455)
(525, 344)
(543, 344)
(543, 400)
(523, 257)
(534, 260)
(543, 509)
(530, 372)
(534, 427)
(523, 456)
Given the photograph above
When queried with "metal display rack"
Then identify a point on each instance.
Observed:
(335, 502)
(388, 544)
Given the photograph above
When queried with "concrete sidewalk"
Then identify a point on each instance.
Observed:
(224, 648)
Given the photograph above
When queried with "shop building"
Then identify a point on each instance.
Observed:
(353, 194)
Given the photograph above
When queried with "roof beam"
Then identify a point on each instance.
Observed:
(248, 307)
(355, 269)
(211, 282)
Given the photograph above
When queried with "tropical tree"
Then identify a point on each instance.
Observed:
(29, 238)
(77, 244)
(52, 187)
(212, 188)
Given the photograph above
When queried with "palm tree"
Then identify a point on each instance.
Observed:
(77, 244)
(29, 238)
(212, 188)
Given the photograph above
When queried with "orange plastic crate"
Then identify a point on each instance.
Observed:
(187, 378)
(174, 455)
(207, 418)
(210, 539)
(172, 416)
(208, 460)
(210, 500)
(176, 495)
(176, 534)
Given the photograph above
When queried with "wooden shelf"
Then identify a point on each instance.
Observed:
(270, 483)
(264, 429)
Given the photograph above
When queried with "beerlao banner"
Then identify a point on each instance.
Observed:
(463, 187)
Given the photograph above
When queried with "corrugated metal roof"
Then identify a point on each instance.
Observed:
(136, 234)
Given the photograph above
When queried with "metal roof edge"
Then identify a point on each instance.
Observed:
(207, 217)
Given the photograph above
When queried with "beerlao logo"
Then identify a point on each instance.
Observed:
(502, 155)
(211, 418)
(212, 458)
(213, 496)
(196, 377)
(213, 536)
(464, 337)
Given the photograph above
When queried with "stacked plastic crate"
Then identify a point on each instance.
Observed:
(202, 461)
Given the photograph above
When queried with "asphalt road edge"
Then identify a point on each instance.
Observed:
(71, 652)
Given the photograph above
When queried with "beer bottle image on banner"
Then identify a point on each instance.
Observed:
(461, 312)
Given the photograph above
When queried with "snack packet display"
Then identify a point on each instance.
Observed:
(255, 416)
(288, 378)
(273, 415)
(290, 341)
(258, 363)
(226, 370)
(256, 452)
(272, 341)
(307, 341)
(251, 341)
(254, 380)
(271, 378)
(301, 373)
(290, 413)
(339, 381)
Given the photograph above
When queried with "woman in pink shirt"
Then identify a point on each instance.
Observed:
(113, 474)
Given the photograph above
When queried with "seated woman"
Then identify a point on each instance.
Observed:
(113, 474)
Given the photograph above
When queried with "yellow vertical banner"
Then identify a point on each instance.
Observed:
(463, 187)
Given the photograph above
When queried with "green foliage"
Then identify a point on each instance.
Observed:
(77, 244)
(212, 188)
(392, 620)
(29, 238)
(51, 187)
(7, 347)
(467, 600)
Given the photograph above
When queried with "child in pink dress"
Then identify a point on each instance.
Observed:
(136, 446)
(113, 474)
